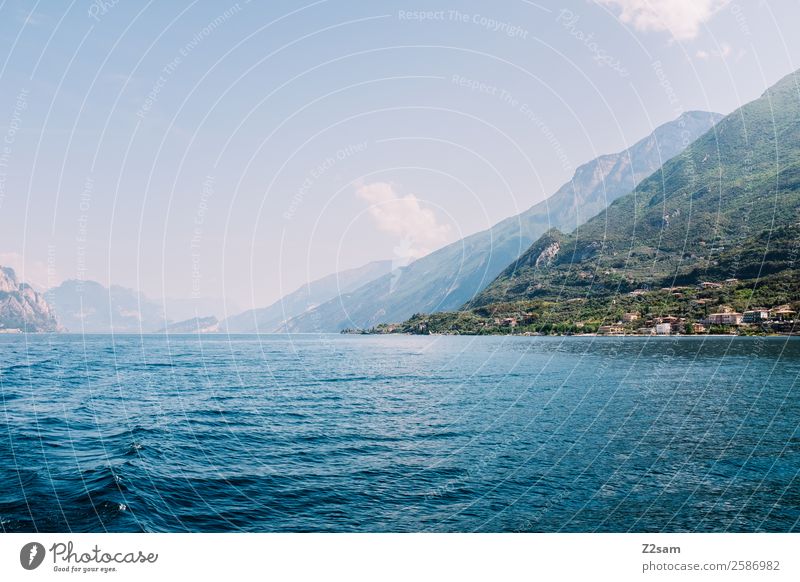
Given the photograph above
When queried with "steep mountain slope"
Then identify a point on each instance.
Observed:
(452, 275)
(88, 306)
(22, 308)
(268, 319)
(722, 209)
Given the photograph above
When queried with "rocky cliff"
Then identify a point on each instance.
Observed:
(21, 307)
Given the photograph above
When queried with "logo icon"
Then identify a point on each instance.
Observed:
(31, 555)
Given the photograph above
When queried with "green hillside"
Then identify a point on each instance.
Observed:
(708, 213)
(726, 209)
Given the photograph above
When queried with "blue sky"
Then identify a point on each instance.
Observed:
(228, 152)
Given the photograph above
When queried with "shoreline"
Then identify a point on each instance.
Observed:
(333, 333)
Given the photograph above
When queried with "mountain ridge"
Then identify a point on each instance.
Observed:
(450, 276)
(712, 235)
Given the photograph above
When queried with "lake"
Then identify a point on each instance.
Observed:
(398, 433)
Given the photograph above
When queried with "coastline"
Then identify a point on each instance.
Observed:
(394, 333)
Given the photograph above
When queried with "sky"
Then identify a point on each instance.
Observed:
(225, 153)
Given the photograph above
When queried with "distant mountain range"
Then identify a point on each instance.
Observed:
(724, 215)
(475, 271)
(22, 308)
(453, 275)
(208, 324)
(88, 306)
(375, 293)
(307, 297)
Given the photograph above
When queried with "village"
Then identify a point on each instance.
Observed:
(705, 308)
(722, 319)
(779, 320)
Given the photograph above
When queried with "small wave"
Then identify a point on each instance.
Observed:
(338, 379)
(103, 481)
(132, 433)
(29, 365)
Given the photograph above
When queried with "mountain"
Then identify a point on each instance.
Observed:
(726, 208)
(269, 319)
(180, 308)
(453, 275)
(88, 306)
(22, 308)
(208, 324)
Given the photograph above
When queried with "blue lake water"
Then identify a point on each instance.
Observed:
(399, 433)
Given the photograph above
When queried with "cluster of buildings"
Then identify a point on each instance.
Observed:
(776, 318)
(666, 325)
(521, 319)
(728, 316)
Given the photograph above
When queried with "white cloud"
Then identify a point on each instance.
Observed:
(404, 216)
(724, 52)
(681, 18)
